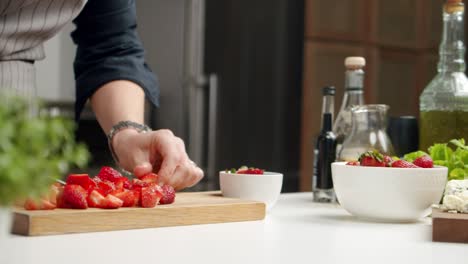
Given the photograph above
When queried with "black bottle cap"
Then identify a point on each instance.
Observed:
(328, 90)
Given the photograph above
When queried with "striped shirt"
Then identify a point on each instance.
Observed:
(24, 26)
(108, 47)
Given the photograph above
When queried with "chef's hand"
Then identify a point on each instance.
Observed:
(157, 151)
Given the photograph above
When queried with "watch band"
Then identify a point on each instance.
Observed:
(141, 128)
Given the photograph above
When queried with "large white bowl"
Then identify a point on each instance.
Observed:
(388, 194)
(264, 188)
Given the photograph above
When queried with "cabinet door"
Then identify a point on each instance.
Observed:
(398, 23)
(338, 19)
(323, 65)
(398, 82)
(428, 70)
(432, 23)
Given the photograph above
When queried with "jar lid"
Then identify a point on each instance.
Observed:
(355, 62)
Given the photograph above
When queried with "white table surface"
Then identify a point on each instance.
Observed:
(295, 231)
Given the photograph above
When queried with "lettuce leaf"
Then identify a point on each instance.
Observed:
(457, 174)
(455, 160)
(440, 152)
(410, 157)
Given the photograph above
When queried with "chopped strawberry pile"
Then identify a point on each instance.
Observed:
(108, 190)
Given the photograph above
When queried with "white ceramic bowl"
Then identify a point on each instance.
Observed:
(388, 194)
(264, 188)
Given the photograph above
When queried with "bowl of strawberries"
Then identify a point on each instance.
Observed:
(251, 184)
(385, 189)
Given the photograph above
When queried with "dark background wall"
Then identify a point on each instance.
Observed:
(255, 47)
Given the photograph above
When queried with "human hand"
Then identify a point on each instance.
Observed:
(156, 151)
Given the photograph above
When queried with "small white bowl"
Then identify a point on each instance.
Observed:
(264, 188)
(388, 194)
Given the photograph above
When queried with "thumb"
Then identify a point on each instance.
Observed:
(142, 169)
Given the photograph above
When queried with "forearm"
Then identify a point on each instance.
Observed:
(118, 101)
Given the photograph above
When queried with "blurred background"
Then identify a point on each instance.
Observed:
(240, 80)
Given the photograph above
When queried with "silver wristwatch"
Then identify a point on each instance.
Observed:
(141, 128)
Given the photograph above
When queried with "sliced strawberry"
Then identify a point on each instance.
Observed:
(112, 202)
(122, 183)
(54, 190)
(95, 199)
(109, 174)
(75, 196)
(150, 178)
(104, 187)
(424, 162)
(168, 195)
(38, 204)
(61, 203)
(403, 164)
(372, 159)
(47, 205)
(83, 180)
(138, 184)
(130, 198)
(31, 204)
(150, 196)
(353, 163)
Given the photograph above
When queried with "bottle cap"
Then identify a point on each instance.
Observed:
(328, 90)
(355, 62)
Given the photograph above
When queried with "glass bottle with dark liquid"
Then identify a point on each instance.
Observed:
(325, 152)
(444, 102)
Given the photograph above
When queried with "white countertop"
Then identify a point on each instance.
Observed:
(296, 230)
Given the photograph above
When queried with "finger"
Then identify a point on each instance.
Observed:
(187, 175)
(168, 166)
(197, 175)
(142, 169)
(179, 179)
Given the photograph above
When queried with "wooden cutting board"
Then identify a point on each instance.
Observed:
(188, 209)
(449, 227)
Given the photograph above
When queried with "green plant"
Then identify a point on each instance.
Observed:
(34, 149)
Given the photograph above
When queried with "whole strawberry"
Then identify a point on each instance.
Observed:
(168, 195)
(403, 164)
(353, 163)
(372, 159)
(424, 162)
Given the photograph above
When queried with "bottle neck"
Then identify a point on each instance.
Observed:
(328, 104)
(452, 48)
(354, 79)
(354, 88)
(327, 122)
(328, 109)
